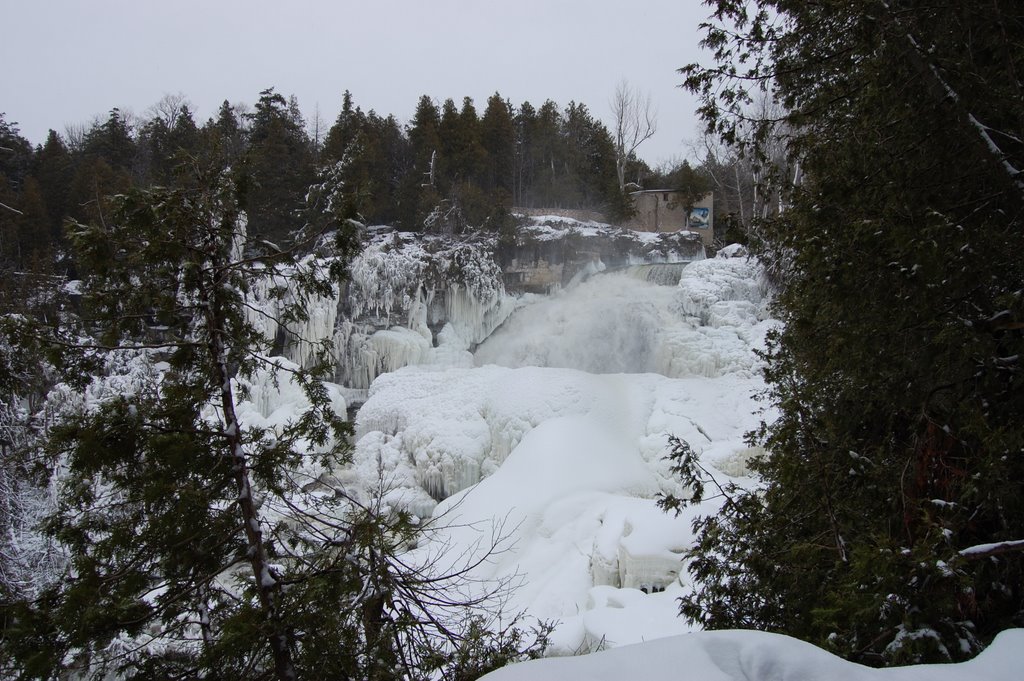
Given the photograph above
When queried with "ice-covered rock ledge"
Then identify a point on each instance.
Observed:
(416, 299)
(422, 299)
(548, 252)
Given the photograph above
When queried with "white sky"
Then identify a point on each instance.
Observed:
(68, 61)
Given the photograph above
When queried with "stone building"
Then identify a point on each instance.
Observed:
(663, 210)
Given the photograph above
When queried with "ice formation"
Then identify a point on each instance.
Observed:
(268, 302)
(631, 248)
(547, 416)
(619, 322)
(402, 286)
(558, 435)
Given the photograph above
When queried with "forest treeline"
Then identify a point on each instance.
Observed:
(450, 167)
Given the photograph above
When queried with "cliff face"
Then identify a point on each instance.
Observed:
(419, 299)
(549, 251)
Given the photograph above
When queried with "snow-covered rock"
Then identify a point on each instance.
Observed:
(402, 288)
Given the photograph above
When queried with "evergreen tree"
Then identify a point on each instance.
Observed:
(15, 161)
(34, 240)
(425, 136)
(524, 159)
(200, 546)
(112, 142)
(343, 133)
(890, 524)
(548, 155)
(374, 158)
(470, 150)
(418, 192)
(15, 154)
(449, 162)
(183, 137)
(160, 500)
(225, 134)
(92, 185)
(385, 162)
(53, 168)
(279, 166)
(497, 136)
(590, 161)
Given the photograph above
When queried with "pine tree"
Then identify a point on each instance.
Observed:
(160, 500)
(15, 154)
(225, 134)
(524, 157)
(497, 135)
(200, 546)
(890, 523)
(52, 166)
(279, 165)
(342, 134)
(112, 142)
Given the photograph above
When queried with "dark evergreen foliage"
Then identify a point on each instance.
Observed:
(449, 161)
(895, 469)
(278, 165)
(197, 546)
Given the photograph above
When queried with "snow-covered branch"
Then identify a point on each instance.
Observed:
(993, 549)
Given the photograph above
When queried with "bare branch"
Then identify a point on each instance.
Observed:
(636, 121)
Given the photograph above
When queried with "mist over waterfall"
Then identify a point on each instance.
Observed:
(558, 430)
(608, 324)
(705, 324)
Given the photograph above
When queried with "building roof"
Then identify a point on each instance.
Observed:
(655, 191)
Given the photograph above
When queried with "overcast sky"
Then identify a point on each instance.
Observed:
(68, 61)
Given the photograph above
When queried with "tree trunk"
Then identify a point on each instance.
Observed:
(267, 585)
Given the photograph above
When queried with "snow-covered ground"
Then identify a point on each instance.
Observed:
(552, 444)
(753, 656)
(538, 460)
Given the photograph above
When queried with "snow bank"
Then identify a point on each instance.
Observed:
(564, 468)
(748, 655)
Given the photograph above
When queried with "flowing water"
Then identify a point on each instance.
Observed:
(611, 323)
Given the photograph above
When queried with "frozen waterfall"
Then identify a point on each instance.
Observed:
(622, 323)
(606, 324)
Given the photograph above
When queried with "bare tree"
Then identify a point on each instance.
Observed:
(168, 108)
(775, 171)
(75, 133)
(636, 121)
(317, 133)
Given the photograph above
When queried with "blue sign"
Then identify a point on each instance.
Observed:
(700, 218)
